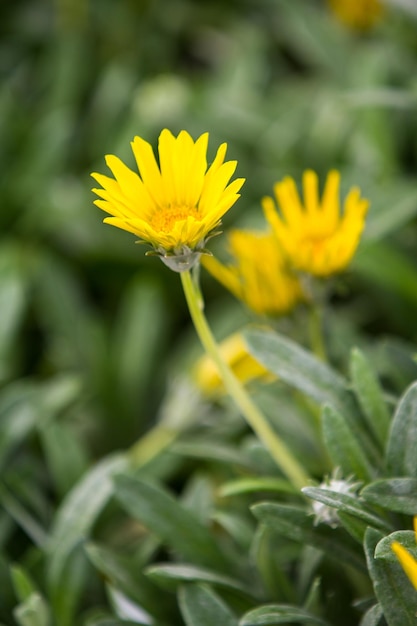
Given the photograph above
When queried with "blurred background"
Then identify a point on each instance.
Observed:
(90, 328)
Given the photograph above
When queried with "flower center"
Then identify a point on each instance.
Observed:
(165, 218)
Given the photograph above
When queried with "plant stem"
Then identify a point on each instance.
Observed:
(151, 444)
(254, 417)
(316, 332)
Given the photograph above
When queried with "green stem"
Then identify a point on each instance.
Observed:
(151, 444)
(278, 450)
(316, 332)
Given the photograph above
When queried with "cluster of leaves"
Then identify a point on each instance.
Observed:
(208, 531)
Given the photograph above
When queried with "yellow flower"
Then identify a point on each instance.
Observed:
(408, 562)
(235, 354)
(175, 205)
(357, 14)
(257, 275)
(314, 236)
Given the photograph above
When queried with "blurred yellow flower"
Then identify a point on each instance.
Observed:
(408, 562)
(357, 14)
(314, 235)
(235, 354)
(258, 274)
(175, 205)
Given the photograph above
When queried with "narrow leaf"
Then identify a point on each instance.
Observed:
(347, 504)
(200, 606)
(373, 616)
(369, 394)
(299, 368)
(343, 446)
(22, 583)
(170, 576)
(401, 457)
(179, 528)
(279, 614)
(33, 612)
(77, 515)
(296, 524)
(250, 485)
(125, 574)
(394, 494)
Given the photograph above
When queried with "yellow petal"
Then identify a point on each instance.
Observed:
(330, 201)
(311, 192)
(149, 170)
(408, 563)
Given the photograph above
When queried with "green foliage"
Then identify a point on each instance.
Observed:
(126, 497)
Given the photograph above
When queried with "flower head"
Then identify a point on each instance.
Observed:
(314, 235)
(173, 205)
(325, 514)
(357, 14)
(258, 274)
(245, 367)
(408, 562)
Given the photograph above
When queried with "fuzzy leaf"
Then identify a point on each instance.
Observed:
(406, 538)
(343, 446)
(296, 524)
(346, 503)
(299, 368)
(373, 616)
(125, 574)
(369, 394)
(200, 606)
(393, 591)
(73, 523)
(179, 528)
(401, 457)
(271, 614)
(170, 576)
(394, 494)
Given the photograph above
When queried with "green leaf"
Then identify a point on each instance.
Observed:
(20, 408)
(212, 451)
(250, 485)
(296, 524)
(369, 394)
(392, 589)
(165, 517)
(125, 574)
(394, 494)
(200, 606)
(22, 583)
(401, 457)
(169, 576)
(75, 518)
(384, 220)
(347, 504)
(110, 621)
(406, 538)
(64, 454)
(354, 526)
(13, 286)
(140, 329)
(33, 612)
(299, 368)
(279, 614)
(343, 445)
(373, 616)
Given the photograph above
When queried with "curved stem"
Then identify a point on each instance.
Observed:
(254, 417)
